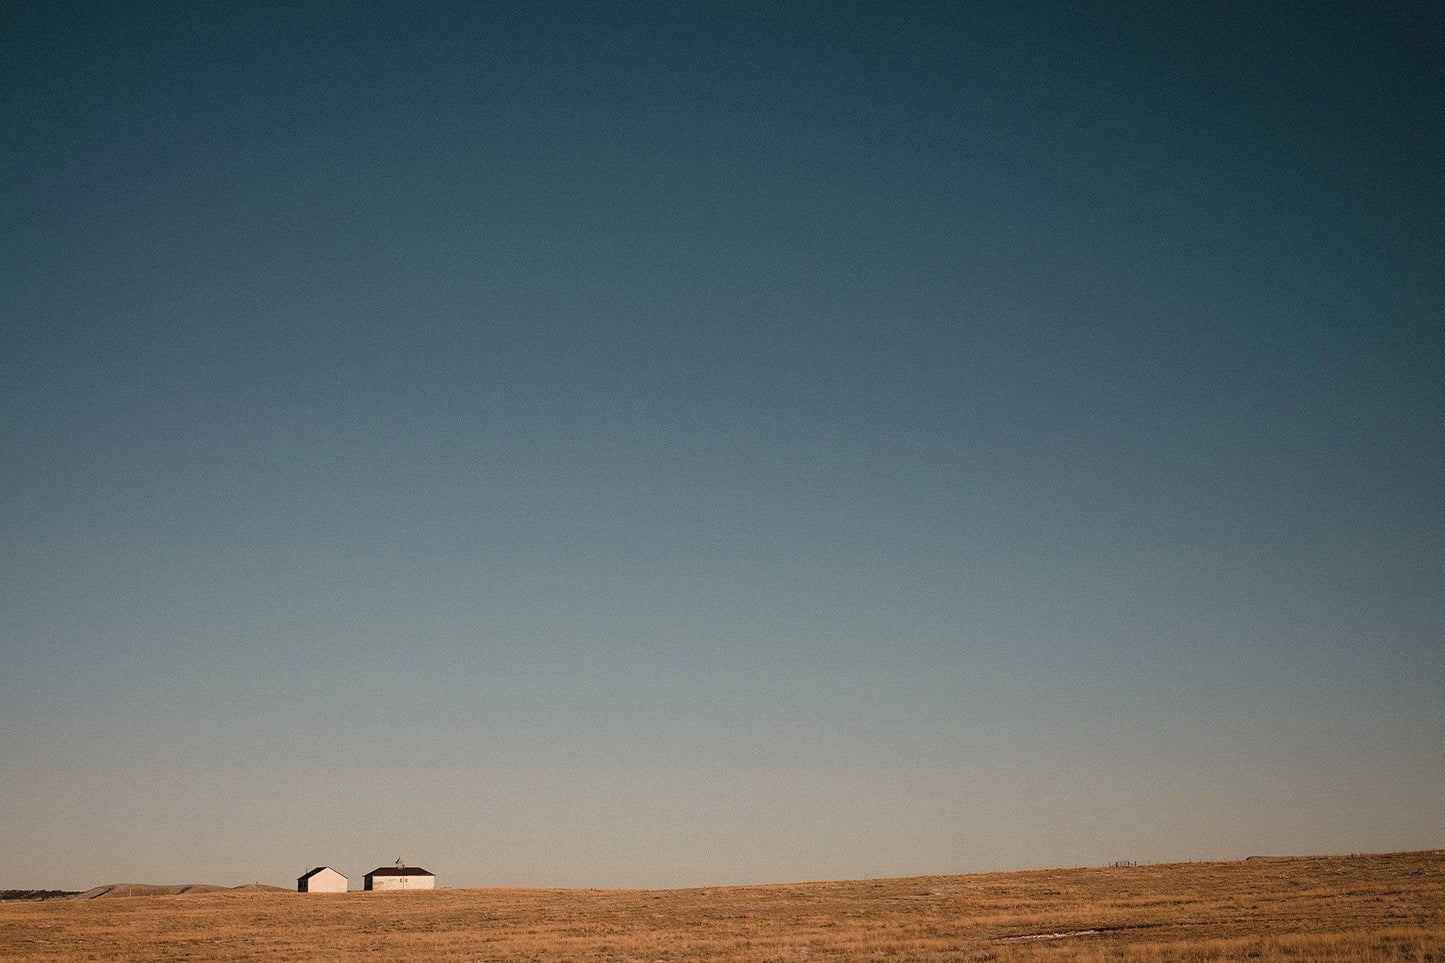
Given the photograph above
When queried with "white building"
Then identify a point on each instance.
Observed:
(400, 876)
(322, 879)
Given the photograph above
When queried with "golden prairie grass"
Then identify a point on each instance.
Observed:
(1358, 909)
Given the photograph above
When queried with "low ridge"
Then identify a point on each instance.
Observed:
(113, 890)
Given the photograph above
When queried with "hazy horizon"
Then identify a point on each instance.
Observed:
(355, 876)
(652, 445)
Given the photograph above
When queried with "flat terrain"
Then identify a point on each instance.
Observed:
(1376, 907)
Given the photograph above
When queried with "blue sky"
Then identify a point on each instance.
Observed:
(682, 444)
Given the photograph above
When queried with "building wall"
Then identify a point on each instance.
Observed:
(402, 882)
(326, 881)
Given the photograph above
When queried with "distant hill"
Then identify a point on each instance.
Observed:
(37, 893)
(151, 889)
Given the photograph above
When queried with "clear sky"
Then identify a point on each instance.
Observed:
(687, 443)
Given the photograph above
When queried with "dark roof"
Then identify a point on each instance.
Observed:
(319, 869)
(393, 871)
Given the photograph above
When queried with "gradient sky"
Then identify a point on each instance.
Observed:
(663, 444)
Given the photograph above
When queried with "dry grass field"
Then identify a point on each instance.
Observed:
(1356, 908)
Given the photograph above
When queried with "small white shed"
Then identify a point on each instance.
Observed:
(322, 879)
(400, 876)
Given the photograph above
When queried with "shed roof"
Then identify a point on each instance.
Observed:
(394, 871)
(319, 869)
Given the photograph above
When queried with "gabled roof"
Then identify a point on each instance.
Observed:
(393, 871)
(319, 869)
